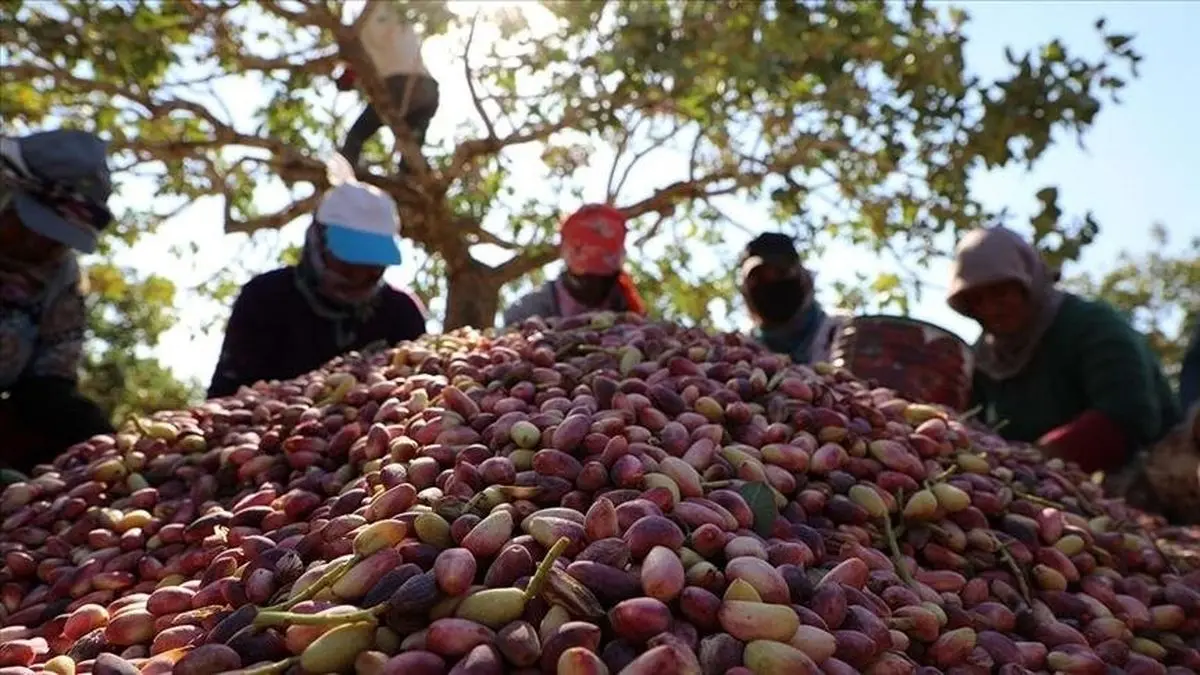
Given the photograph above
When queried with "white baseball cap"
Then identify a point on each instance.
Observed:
(362, 224)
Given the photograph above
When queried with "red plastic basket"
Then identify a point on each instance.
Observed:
(921, 361)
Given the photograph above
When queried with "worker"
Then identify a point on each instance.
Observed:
(54, 187)
(593, 252)
(1052, 368)
(780, 294)
(293, 320)
(394, 48)
(1189, 373)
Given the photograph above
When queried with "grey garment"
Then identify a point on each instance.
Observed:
(72, 161)
(538, 302)
(543, 302)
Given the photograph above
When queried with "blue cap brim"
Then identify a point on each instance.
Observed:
(47, 222)
(362, 248)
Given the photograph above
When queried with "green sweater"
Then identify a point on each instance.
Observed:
(1089, 359)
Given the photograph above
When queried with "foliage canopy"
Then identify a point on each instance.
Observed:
(1159, 291)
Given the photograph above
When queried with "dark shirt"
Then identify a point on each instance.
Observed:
(273, 333)
(40, 417)
(1089, 363)
(1189, 375)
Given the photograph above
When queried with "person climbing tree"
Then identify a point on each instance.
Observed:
(394, 47)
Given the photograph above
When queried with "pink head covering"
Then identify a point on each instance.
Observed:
(996, 254)
(593, 240)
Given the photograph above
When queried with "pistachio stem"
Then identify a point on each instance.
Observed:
(970, 413)
(938, 530)
(539, 577)
(270, 618)
(137, 424)
(1085, 504)
(469, 507)
(340, 390)
(317, 586)
(1022, 585)
(717, 484)
(1041, 500)
(270, 668)
(597, 349)
(897, 558)
(945, 474)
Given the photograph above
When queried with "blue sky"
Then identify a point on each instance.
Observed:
(1138, 165)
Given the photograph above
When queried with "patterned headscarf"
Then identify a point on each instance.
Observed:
(327, 293)
(44, 179)
(593, 240)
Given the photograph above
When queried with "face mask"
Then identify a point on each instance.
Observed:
(589, 289)
(352, 289)
(345, 283)
(21, 247)
(777, 301)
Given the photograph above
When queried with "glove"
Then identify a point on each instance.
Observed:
(345, 81)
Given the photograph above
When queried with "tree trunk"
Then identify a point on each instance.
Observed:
(472, 295)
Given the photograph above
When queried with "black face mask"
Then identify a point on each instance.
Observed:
(777, 301)
(589, 289)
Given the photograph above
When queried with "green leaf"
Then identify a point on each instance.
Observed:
(1117, 41)
(761, 500)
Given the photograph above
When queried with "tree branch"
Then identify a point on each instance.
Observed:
(316, 64)
(487, 122)
(527, 261)
(272, 221)
(470, 151)
(313, 14)
(626, 134)
(639, 156)
(482, 236)
(739, 178)
(653, 231)
(291, 165)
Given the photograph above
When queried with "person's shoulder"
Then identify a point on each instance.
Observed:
(1079, 314)
(536, 301)
(269, 284)
(273, 279)
(402, 299)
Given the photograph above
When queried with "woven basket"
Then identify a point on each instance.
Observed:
(921, 361)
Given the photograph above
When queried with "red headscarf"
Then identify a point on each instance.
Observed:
(593, 242)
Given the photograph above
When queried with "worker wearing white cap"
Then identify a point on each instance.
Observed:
(293, 320)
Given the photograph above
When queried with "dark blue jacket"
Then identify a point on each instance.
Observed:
(273, 333)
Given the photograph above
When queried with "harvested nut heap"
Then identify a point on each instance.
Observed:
(604, 496)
